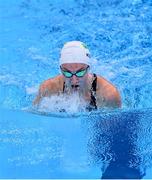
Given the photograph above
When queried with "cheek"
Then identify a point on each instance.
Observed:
(68, 80)
(81, 80)
(84, 78)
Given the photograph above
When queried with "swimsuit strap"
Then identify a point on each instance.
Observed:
(63, 87)
(93, 92)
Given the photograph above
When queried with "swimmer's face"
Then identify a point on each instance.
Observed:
(75, 74)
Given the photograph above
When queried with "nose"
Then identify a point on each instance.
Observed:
(74, 80)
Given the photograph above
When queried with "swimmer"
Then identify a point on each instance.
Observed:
(75, 77)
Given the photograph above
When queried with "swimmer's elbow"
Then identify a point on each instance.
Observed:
(38, 98)
(118, 102)
(36, 101)
(115, 100)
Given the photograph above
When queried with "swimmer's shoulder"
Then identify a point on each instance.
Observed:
(104, 84)
(108, 91)
(52, 85)
(48, 87)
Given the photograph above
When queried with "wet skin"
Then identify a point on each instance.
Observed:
(106, 94)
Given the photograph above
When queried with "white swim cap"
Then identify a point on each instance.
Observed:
(74, 52)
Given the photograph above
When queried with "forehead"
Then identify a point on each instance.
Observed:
(74, 65)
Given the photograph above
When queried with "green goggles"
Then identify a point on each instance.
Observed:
(79, 73)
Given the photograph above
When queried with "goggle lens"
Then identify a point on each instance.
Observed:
(81, 73)
(69, 74)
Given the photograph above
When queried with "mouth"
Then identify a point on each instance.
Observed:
(75, 86)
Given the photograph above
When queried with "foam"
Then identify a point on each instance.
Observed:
(63, 103)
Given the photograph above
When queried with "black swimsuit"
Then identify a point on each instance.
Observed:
(92, 105)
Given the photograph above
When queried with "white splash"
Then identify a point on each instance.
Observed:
(32, 90)
(63, 103)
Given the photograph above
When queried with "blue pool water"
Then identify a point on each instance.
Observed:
(105, 144)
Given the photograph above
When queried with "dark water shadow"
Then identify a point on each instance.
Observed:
(121, 143)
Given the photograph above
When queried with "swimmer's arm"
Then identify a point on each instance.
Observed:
(114, 99)
(37, 100)
(47, 88)
(42, 93)
(108, 96)
(110, 101)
